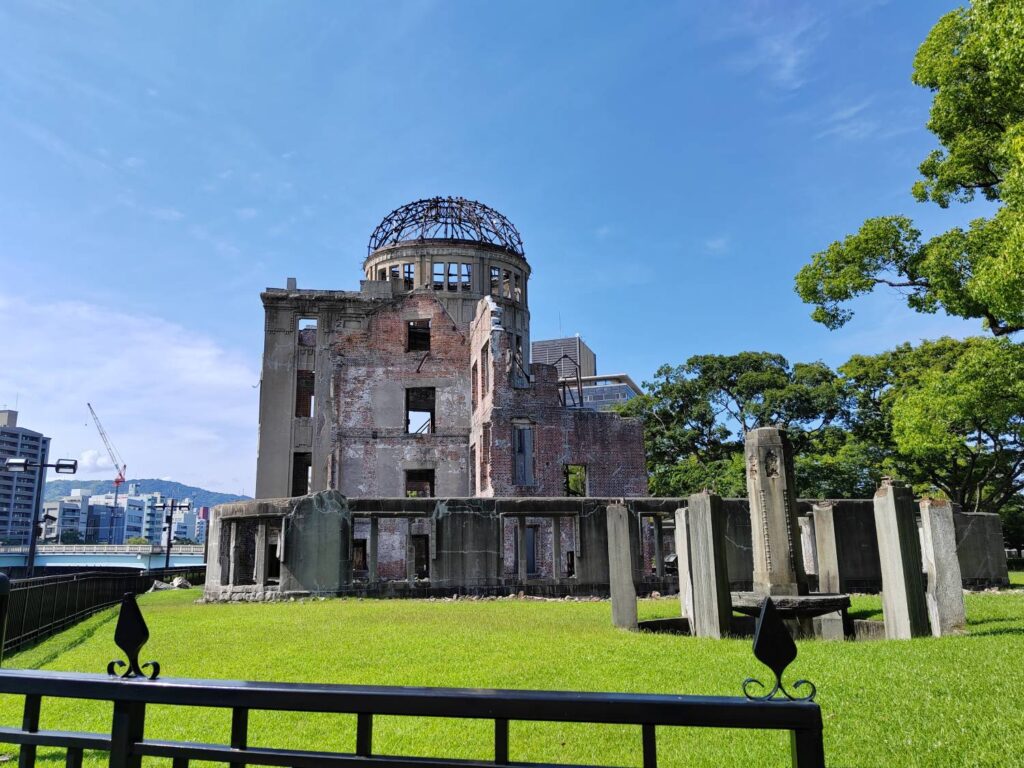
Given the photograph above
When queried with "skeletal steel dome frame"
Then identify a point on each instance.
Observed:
(446, 218)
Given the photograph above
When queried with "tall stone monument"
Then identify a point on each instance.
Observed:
(944, 595)
(775, 534)
(899, 550)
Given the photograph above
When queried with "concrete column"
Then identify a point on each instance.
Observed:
(808, 544)
(410, 553)
(659, 555)
(620, 568)
(683, 562)
(260, 565)
(521, 548)
(827, 548)
(234, 553)
(775, 530)
(903, 600)
(556, 548)
(945, 595)
(712, 603)
(371, 551)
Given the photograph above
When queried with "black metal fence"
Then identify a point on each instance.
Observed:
(127, 742)
(40, 607)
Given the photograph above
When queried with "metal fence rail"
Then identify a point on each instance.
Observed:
(40, 607)
(127, 742)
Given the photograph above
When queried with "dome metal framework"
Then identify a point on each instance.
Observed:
(446, 218)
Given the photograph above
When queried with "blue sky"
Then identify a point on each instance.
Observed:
(669, 165)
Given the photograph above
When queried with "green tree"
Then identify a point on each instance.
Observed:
(695, 416)
(945, 415)
(973, 62)
(71, 536)
(137, 541)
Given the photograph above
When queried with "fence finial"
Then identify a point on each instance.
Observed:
(130, 635)
(774, 647)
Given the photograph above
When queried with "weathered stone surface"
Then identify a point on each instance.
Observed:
(899, 549)
(979, 547)
(847, 546)
(709, 578)
(945, 596)
(683, 562)
(791, 606)
(775, 530)
(620, 568)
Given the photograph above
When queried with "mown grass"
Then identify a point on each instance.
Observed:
(927, 702)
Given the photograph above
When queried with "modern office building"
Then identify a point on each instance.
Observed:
(601, 392)
(20, 492)
(565, 354)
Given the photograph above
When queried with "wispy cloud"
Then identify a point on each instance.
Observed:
(174, 401)
(717, 244)
(776, 39)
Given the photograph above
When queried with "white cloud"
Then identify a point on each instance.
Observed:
(718, 244)
(174, 401)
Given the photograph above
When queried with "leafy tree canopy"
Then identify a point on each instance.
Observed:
(973, 62)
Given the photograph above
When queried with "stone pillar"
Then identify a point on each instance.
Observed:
(945, 595)
(659, 555)
(808, 544)
(260, 565)
(371, 550)
(682, 537)
(620, 568)
(709, 578)
(410, 553)
(827, 548)
(521, 548)
(899, 550)
(556, 549)
(775, 531)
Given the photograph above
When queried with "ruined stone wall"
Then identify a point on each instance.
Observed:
(608, 445)
(372, 370)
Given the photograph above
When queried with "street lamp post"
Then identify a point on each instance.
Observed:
(171, 508)
(18, 464)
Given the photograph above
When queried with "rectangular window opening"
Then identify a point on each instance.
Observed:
(359, 555)
(421, 554)
(518, 291)
(419, 483)
(453, 276)
(522, 443)
(273, 553)
(474, 384)
(307, 331)
(575, 480)
(302, 472)
(304, 400)
(419, 410)
(393, 274)
(495, 281)
(485, 456)
(506, 284)
(419, 336)
(485, 366)
(438, 282)
(472, 470)
(466, 277)
(409, 276)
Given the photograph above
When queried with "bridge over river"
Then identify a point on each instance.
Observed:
(140, 557)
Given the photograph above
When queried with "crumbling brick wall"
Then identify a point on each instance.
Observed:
(608, 445)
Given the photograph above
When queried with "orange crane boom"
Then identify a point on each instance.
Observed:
(115, 457)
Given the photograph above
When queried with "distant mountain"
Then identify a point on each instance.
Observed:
(200, 496)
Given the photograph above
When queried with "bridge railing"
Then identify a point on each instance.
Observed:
(40, 607)
(104, 549)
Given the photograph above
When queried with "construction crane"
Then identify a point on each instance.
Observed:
(115, 457)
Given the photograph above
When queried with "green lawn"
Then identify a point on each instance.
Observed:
(934, 702)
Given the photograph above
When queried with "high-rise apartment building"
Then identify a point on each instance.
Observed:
(20, 492)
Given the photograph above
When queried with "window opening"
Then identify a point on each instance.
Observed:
(438, 282)
(382, 274)
(421, 555)
(518, 292)
(419, 336)
(474, 384)
(466, 277)
(419, 483)
(304, 387)
(485, 456)
(453, 276)
(359, 555)
(409, 276)
(522, 441)
(575, 480)
(506, 284)
(419, 410)
(531, 550)
(393, 276)
(485, 366)
(302, 473)
(570, 563)
(495, 281)
(472, 470)
(307, 331)
(273, 554)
